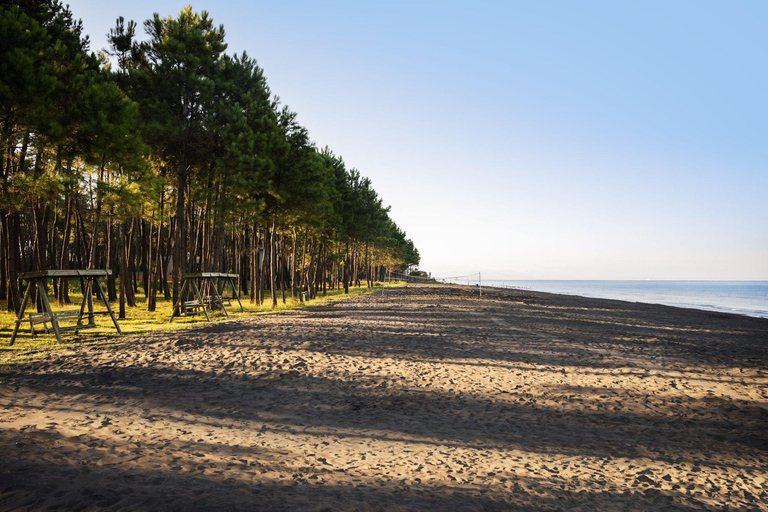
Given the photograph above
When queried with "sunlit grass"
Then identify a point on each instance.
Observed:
(138, 321)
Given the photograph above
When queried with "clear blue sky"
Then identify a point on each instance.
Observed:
(548, 140)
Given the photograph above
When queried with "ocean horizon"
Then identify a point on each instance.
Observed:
(740, 297)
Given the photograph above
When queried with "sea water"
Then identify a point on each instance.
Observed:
(742, 297)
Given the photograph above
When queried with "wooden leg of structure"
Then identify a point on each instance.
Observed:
(23, 307)
(179, 300)
(106, 303)
(215, 286)
(89, 293)
(200, 298)
(83, 303)
(87, 287)
(87, 302)
(235, 294)
(47, 306)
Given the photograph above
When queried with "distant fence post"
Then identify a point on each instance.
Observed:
(480, 274)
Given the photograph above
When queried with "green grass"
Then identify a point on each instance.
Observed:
(138, 321)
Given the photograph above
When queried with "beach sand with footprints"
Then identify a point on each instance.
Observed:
(418, 398)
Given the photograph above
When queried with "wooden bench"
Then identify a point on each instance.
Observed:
(45, 319)
(210, 282)
(217, 302)
(192, 307)
(36, 281)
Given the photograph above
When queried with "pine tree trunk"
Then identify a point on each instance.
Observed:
(311, 269)
(39, 250)
(242, 255)
(146, 255)
(168, 260)
(273, 259)
(159, 273)
(283, 267)
(150, 267)
(127, 265)
(12, 231)
(325, 269)
(122, 268)
(346, 269)
(112, 262)
(219, 262)
(303, 264)
(3, 260)
(254, 263)
(51, 260)
(63, 295)
(180, 241)
(261, 248)
(293, 263)
(83, 250)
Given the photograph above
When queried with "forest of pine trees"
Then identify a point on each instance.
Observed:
(166, 155)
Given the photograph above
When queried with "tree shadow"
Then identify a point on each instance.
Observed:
(235, 481)
(680, 336)
(580, 421)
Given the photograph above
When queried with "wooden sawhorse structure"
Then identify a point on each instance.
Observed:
(38, 280)
(209, 302)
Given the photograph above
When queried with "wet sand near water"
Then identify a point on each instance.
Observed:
(420, 398)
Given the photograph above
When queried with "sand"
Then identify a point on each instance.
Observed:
(423, 397)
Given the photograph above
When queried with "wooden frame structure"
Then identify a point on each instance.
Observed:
(208, 303)
(38, 280)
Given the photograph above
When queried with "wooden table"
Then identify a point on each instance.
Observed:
(38, 280)
(208, 303)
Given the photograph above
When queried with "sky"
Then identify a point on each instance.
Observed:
(530, 140)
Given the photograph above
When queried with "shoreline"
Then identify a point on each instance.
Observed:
(418, 398)
(683, 305)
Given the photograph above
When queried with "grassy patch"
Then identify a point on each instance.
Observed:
(138, 321)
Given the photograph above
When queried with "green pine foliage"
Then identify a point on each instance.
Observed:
(158, 157)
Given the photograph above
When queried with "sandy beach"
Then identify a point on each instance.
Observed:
(418, 398)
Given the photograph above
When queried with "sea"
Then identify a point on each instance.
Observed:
(741, 297)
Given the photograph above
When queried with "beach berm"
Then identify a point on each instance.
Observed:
(424, 397)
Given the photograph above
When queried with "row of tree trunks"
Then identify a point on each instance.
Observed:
(118, 248)
(294, 261)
